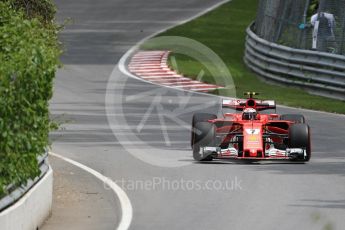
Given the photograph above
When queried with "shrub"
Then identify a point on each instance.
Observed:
(29, 55)
(42, 9)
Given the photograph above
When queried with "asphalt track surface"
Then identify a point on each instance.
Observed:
(267, 195)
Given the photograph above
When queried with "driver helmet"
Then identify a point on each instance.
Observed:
(249, 114)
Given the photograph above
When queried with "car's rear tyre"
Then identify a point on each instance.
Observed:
(299, 137)
(297, 118)
(204, 136)
(200, 117)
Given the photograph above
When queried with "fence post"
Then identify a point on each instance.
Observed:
(304, 37)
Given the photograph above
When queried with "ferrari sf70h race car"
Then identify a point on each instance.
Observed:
(250, 134)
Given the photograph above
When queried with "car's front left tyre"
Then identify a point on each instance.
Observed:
(299, 137)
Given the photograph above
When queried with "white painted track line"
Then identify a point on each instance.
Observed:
(125, 203)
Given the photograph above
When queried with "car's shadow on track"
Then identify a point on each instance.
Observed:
(244, 162)
(313, 167)
(256, 163)
(323, 165)
(320, 203)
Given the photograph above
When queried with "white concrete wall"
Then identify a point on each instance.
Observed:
(32, 209)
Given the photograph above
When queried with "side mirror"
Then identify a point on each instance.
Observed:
(274, 116)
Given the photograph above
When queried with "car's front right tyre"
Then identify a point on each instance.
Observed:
(200, 117)
(204, 136)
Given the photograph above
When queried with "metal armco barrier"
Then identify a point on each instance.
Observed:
(317, 72)
(17, 193)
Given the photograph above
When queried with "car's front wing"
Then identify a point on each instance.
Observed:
(270, 154)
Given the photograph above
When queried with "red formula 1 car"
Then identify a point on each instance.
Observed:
(249, 134)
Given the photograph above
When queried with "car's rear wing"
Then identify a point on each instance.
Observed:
(241, 104)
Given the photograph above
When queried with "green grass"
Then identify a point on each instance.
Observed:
(223, 31)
